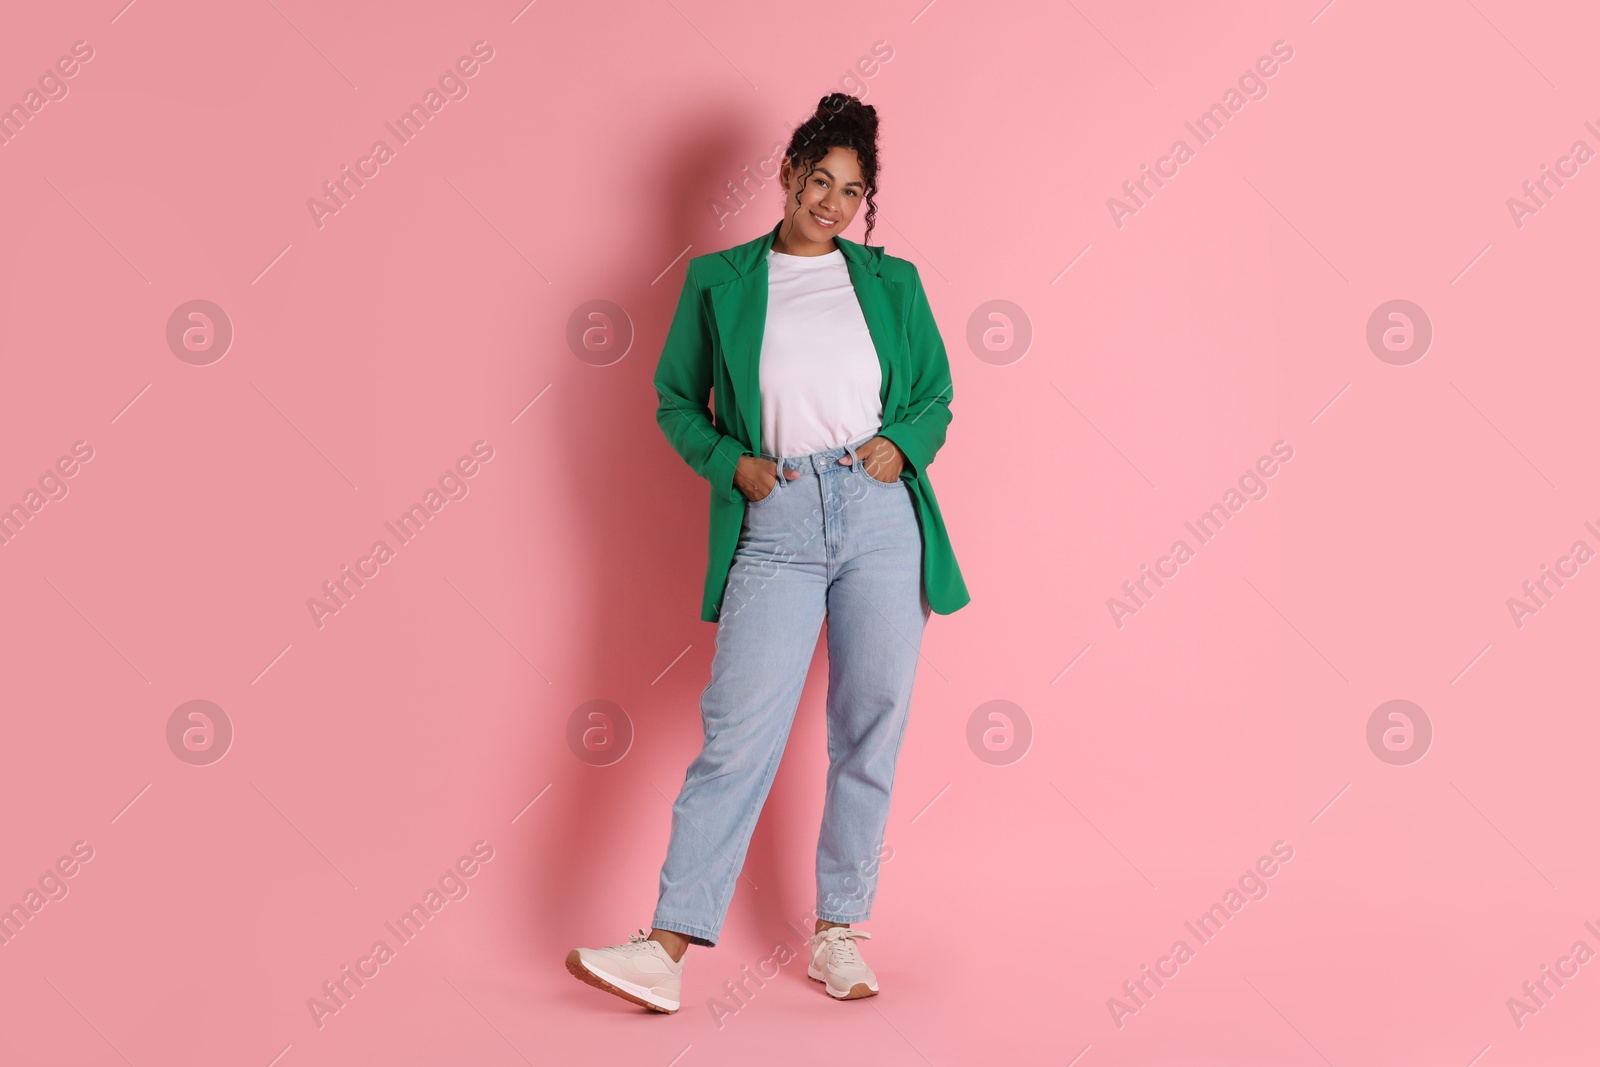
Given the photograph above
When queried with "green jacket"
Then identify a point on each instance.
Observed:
(714, 346)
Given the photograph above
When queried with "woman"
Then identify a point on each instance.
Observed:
(832, 393)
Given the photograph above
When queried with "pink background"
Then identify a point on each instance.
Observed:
(591, 157)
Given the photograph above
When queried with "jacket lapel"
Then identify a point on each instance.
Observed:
(739, 313)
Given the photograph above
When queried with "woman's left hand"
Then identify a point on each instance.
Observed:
(882, 458)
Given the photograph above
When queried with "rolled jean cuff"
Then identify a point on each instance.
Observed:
(839, 917)
(697, 935)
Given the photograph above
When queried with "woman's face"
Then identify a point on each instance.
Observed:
(832, 193)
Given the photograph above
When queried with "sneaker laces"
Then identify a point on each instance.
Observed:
(837, 942)
(637, 943)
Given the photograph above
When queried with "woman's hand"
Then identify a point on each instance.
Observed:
(755, 477)
(882, 458)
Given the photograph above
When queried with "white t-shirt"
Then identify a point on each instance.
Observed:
(819, 368)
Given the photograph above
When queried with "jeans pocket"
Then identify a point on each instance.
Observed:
(896, 483)
(776, 488)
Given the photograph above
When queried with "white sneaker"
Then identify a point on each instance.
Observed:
(837, 964)
(638, 970)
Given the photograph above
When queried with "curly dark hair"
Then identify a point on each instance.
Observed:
(841, 121)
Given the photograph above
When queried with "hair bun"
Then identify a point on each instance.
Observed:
(835, 103)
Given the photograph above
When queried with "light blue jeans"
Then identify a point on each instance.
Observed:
(836, 542)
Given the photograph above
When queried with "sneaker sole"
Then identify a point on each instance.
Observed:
(857, 991)
(626, 990)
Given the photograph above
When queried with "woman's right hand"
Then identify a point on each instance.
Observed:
(757, 476)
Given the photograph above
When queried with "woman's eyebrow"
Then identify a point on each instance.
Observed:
(829, 173)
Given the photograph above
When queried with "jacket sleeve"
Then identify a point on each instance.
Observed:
(683, 383)
(921, 433)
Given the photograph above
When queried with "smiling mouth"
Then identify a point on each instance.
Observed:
(826, 224)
